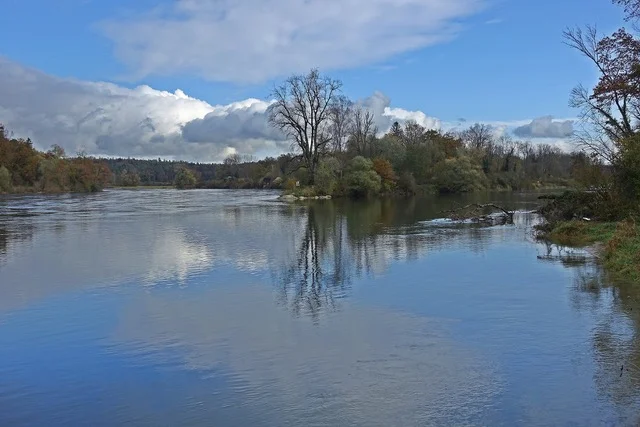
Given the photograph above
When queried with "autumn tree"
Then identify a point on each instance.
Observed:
(612, 107)
(302, 111)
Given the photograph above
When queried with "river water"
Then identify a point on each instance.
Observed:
(230, 308)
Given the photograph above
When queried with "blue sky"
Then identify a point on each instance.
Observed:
(504, 61)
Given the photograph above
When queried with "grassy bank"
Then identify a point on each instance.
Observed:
(619, 244)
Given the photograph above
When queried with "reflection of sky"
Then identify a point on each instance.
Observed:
(362, 367)
(433, 323)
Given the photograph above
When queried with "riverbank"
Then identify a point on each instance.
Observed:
(616, 244)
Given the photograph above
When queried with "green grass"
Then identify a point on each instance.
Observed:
(581, 233)
(620, 253)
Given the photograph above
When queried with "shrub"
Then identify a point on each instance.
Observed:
(185, 179)
(326, 178)
(407, 183)
(459, 175)
(5, 180)
(129, 179)
(361, 179)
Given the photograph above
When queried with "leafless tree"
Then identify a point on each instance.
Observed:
(478, 136)
(341, 113)
(302, 111)
(363, 129)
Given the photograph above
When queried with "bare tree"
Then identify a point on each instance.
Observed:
(362, 130)
(341, 116)
(302, 111)
(478, 136)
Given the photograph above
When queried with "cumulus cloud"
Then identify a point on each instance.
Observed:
(105, 119)
(110, 120)
(545, 127)
(252, 41)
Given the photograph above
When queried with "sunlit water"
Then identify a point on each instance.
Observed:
(230, 308)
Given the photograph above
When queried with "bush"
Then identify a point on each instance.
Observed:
(185, 179)
(5, 180)
(326, 179)
(388, 176)
(361, 179)
(407, 183)
(129, 179)
(459, 175)
(627, 175)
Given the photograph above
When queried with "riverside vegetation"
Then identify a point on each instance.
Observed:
(605, 210)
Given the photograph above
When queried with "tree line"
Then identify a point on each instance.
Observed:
(25, 169)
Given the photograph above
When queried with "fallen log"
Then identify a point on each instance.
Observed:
(465, 212)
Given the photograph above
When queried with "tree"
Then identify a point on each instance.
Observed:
(340, 114)
(478, 136)
(362, 131)
(362, 180)
(413, 133)
(396, 130)
(631, 8)
(185, 179)
(459, 175)
(612, 107)
(384, 169)
(57, 152)
(302, 112)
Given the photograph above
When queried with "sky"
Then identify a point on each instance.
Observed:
(190, 79)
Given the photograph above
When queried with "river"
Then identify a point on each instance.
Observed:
(231, 308)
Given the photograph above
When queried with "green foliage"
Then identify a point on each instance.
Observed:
(5, 180)
(459, 175)
(627, 172)
(128, 179)
(407, 183)
(185, 179)
(326, 179)
(361, 179)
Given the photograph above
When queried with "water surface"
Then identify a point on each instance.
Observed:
(199, 308)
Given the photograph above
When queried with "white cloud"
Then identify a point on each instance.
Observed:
(110, 120)
(252, 41)
(545, 127)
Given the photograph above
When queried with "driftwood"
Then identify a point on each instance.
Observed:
(476, 214)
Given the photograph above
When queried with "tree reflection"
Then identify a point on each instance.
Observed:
(616, 337)
(320, 271)
(343, 240)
